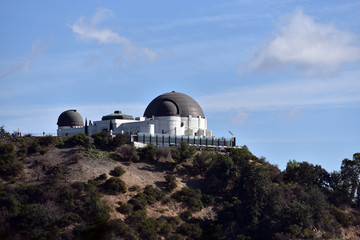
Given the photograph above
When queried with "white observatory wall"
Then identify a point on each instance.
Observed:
(128, 127)
(196, 126)
(148, 128)
(180, 125)
(69, 131)
(167, 125)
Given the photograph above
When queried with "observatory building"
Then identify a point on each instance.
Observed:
(169, 119)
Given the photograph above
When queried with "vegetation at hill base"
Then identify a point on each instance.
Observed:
(214, 195)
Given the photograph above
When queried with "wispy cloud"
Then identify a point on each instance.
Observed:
(37, 49)
(89, 29)
(238, 116)
(312, 46)
(199, 20)
(296, 93)
(294, 113)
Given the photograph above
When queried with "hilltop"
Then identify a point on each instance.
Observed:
(101, 188)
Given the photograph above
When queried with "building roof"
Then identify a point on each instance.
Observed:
(70, 118)
(117, 115)
(173, 104)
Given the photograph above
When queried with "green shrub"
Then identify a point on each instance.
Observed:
(115, 185)
(147, 227)
(191, 197)
(10, 166)
(166, 228)
(30, 216)
(166, 200)
(202, 161)
(168, 224)
(120, 229)
(120, 139)
(128, 153)
(207, 200)
(46, 140)
(68, 219)
(106, 141)
(242, 237)
(126, 208)
(191, 229)
(149, 196)
(185, 215)
(117, 172)
(139, 201)
(340, 217)
(79, 139)
(182, 153)
(153, 194)
(102, 176)
(170, 183)
(33, 148)
(79, 186)
(162, 152)
(134, 188)
(102, 139)
(11, 204)
(147, 153)
(175, 236)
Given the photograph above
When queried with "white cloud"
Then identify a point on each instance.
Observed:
(89, 29)
(37, 49)
(308, 44)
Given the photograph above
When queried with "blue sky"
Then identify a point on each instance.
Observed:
(283, 76)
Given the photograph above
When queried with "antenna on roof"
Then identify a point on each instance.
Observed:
(233, 139)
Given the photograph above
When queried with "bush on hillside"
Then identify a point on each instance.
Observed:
(120, 140)
(115, 185)
(183, 152)
(153, 194)
(162, 152)
(192, 230)
(46, 140)
(128, 153)
(10, 166)
(117, 172)
(202, 161)
(170, 183)
(191, 197)
(79, 139)
(147, 153)
(106, 141)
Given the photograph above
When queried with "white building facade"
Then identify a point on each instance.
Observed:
(171, 113)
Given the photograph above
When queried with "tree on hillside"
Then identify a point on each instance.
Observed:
(350, 173)
(306, 174)
(3, 132)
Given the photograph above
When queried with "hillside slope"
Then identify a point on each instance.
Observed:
(71, 190)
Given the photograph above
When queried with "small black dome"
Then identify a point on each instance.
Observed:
(173, 104)
(70, 118)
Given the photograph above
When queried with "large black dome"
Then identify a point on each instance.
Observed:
(173, 104)
(70, 118)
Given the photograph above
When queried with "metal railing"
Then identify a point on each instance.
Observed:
(169, 140)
